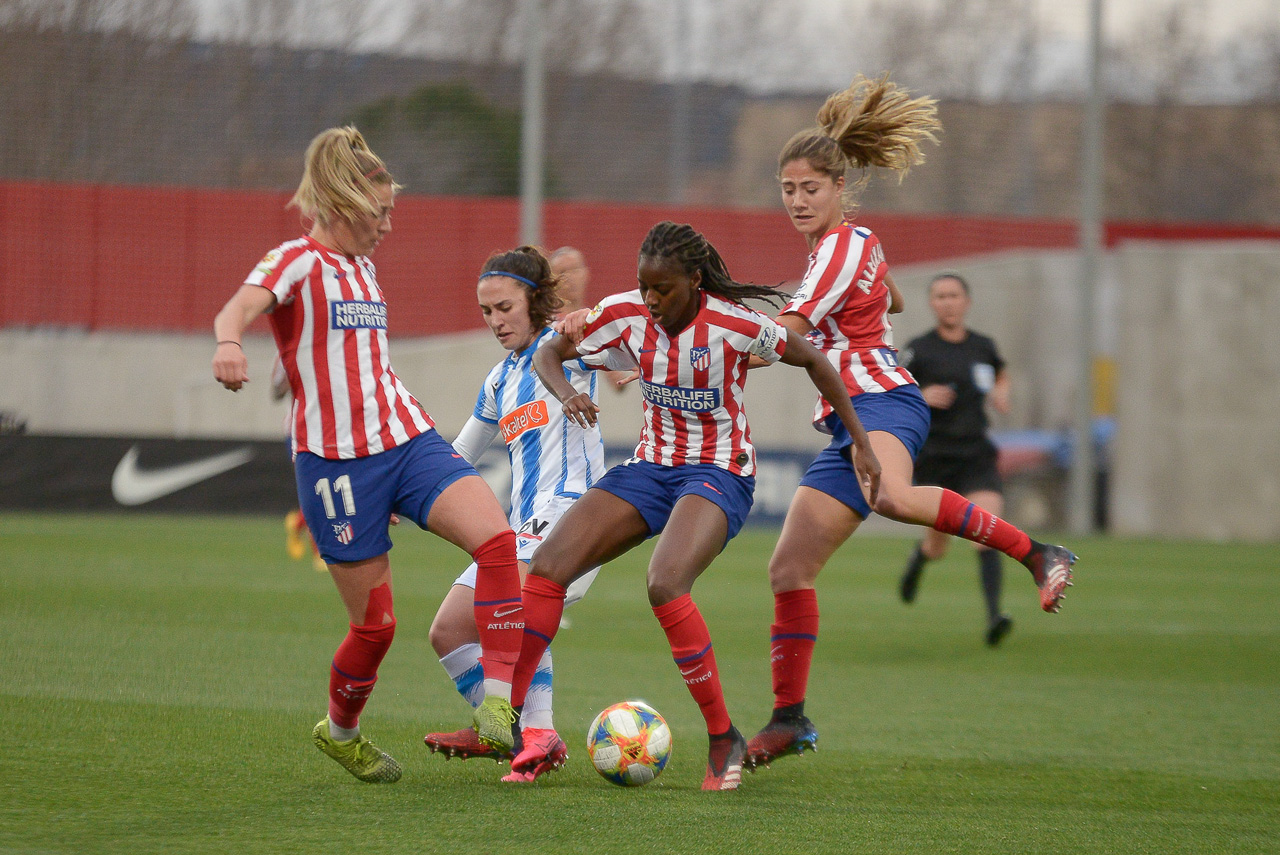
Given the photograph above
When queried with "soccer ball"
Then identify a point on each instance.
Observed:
(629, 744)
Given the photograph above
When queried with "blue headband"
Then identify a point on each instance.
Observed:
(514, 276)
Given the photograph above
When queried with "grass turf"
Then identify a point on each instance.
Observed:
(161, 676)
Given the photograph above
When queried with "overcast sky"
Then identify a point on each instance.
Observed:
(1222, 17)
(810, 45)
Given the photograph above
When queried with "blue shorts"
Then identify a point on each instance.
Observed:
(348, 503)
(654, 490)
(901, 412)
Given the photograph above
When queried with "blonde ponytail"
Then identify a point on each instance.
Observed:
(869, 123)
(339, 178)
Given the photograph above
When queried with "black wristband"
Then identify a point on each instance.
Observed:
(229, 341)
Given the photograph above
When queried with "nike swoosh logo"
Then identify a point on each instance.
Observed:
(507, 612)
(693, 670)
(133, 486)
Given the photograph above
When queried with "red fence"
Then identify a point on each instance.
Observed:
(166, 259)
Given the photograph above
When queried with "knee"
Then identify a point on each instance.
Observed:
(792, 574)
(932, 551)
(891, 502)
(376, 635)
(934, 545)
(548, 565)
(442, 635)
(560, 562)
(796, 563)
(664, 588)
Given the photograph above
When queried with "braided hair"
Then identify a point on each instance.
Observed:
(693, 252)
(529, 262)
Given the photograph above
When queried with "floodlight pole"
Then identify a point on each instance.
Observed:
(682, 22)
(533, 119)
(1083, 460)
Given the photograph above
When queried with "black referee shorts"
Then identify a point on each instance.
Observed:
(963, 473)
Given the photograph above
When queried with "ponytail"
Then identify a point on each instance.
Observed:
(340, 176)
(869, 123)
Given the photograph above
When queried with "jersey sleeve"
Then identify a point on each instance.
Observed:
(608, 360)
(997, 361)
(909, 355)
(486, 409)
(771, 342)
(281, 271)
(847, 264)
(474, 439)
(607, 326)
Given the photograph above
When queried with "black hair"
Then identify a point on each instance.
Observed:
(693, 252)
(964, 286)
(529, 262)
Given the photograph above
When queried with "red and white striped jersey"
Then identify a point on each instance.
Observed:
(330, 324)
(691, 384)
(845, 298)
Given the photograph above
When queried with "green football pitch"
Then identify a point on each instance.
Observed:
(161, 675)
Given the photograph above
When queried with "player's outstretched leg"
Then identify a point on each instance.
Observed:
(789, 731)
(358, 756)
(463, 743)
(544, 751)
(1050, 566)
(724, 761)
(463, 667)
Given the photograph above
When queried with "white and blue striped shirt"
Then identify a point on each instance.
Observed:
(550, 455)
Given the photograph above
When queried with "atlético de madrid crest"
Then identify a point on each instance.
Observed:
(343, 532)
(700, 358)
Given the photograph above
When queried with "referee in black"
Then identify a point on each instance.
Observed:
(959, 372)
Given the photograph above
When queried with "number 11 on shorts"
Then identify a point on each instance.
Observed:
(342, 486)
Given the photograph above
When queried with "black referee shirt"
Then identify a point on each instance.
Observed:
(970, 368)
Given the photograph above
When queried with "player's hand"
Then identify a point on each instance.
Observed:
(230, 366)
(999, 398)
(581, 409)
(395, 519)
(938, 395)
(572, 325)
(623, 378)
(867, 465)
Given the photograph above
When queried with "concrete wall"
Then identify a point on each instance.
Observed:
(1197, 453)
(1193, 328)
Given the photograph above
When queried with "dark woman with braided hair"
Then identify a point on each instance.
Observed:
(690, 334)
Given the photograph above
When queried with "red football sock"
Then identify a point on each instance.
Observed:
(791, 640)
(691, 647)
(958, 516)
(543, 606)
(499, 619)
(355, 665)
